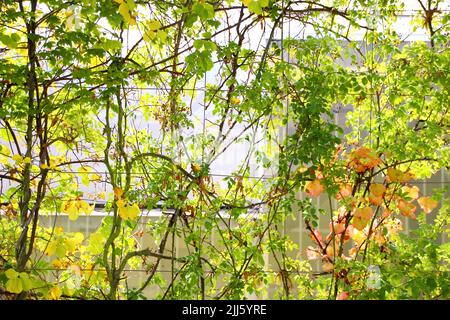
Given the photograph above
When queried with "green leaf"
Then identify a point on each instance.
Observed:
(8, 41)
(14, 285)
(26, 282)
(254, 7)
(264, 3)
(131, 5)
(11, 274)
(60, 250)
(85, 179)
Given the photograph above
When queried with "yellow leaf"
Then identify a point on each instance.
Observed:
(73, 212)
(27, 160)
(161, 35)
(51, 248)
(17, 158)
(14, 285)
(57, 264)
(85, 179)
(54, 293)
(148, 36)
(361, 217)
(128, 212)
(96, 241)
(126, 14)
(60, 250)
(69, 20)
(377, 189)
(131, 5)
(85, 207)
(78, 238)
(75, 207)
(96, 177)
(375, 200)
(395, 175)
(235, 101)
(153, 25)
(196, 168)
(4, 150)
(70, 245)
(11, 274)
(133, 211)
(358, 237)
(412, 192)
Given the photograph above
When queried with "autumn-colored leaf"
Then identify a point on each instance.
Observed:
(342, 296)
(315, 235)
(395, 175)
(412, 192)
(338, 227)
(118, 192)
(386, 213)
(327, 267)
(427, 204)
(363, 159)
(330, 250)
(314, 188)
(406, 208)
(54, 293)
(312, 253)
(127, 211)
(377, 189)
(235, 101)
(361, 217)
(377, 201)
(345, 190)
(358, 236)
(76, 207)
(14, 285)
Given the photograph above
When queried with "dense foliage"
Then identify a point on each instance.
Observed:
(72, 114)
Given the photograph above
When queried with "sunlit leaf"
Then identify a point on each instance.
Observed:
(427, 204)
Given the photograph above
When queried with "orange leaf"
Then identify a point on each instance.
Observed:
(345, 190)
(363, 158)
(395, 175)
(427, 204)
(314, 188)
(312, 253)
(342, 296)
(377, 201)
(361, 217)
(386, 213)
(118, 192)
(316, 234)
(327, 266)
(406, 208)
(338, 227)
(377, 189)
